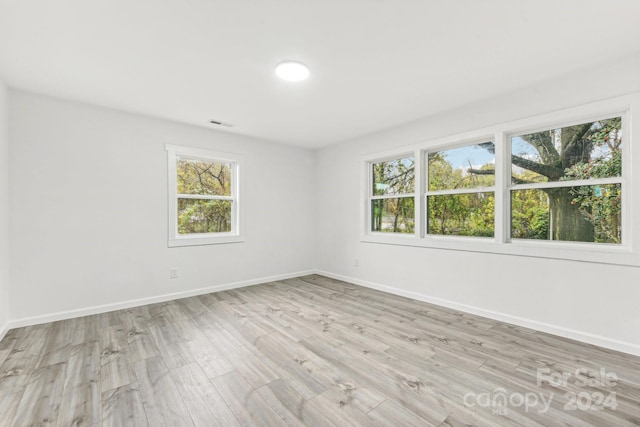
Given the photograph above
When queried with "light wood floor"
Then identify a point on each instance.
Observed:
(307, 351)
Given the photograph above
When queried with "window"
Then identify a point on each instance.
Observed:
(392, 196)
(566, 183)
(460, 191)
(552, 186)
(203, 197)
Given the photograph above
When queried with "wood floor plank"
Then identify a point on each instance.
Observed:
(235, 318)
(212, 360)
(289, 398)
(9, 340)
(108, 319)
(168, 342)
(123, 407)
(208, 299)
(301, 368)
(116, 368)
(170, 310)
(336, 413)
(305, 351)
(361, 370)
(58, 342)
(191, 307)
(30, 344)
(39, 403)
(248, 406)
(140, 342)
(204, 403)
(15, 373)
(8, 406)
(4, 354)
(346, 394)
(289, 418)
(162, 401)
(390, 413)
(244, 357)
(81, 403)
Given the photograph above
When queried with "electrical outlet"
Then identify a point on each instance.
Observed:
(356, 263)
(174, 273)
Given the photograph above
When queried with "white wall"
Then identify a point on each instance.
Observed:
(89, 218)
(4, 209)
(89, 208)
(594, 302)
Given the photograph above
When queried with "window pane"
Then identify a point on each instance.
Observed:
(394, 177)
(461, 214)
(466, 167)
(576, 214)
(202, 177)
(204, 216)
(393, 215)
(588, 150)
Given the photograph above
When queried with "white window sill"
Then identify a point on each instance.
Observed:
(584, 252)
(201, 240)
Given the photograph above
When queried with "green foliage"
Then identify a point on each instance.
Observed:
(442, 176)
(581, 152)
(603, 167)
(394, 215)
(601, 204)
(529, 215)
(462, 214)
(394, 176)
(204, 216)
(203, 178)
(459, 214)
(607, 132)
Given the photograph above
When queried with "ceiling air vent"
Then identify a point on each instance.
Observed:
(218, 123)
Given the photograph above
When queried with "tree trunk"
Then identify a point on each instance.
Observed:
(567, 222)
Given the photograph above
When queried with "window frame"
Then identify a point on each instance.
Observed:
(175, 239)
(570, 183)
(371, 196)
(625, 253)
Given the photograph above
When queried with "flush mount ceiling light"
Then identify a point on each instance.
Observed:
(292, 71)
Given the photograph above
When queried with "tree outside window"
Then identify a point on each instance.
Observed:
(392, 196)
(566, 183)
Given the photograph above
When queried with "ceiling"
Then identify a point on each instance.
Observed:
(374, 63)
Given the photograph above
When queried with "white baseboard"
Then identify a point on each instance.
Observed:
(586, 337)
(623, 346)
(70, 314)
(4, 329)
